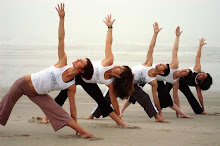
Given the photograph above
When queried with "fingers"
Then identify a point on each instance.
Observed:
(60, 7)
(57, 9)
(113, 21)
(108, 20)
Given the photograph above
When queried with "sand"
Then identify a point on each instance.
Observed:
(21, 129)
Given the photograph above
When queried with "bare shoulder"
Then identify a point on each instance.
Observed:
(107, 62)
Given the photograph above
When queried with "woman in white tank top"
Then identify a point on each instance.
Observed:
(119, 79)
(57, 77)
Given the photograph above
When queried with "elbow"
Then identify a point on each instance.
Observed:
(108, 43)
(61, 39)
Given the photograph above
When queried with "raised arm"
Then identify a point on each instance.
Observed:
(61, 35)
(109, 58)
(149, 57)
(175, 63)
(197, 66)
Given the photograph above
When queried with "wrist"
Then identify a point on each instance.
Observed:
(110, 27)
(155, 33)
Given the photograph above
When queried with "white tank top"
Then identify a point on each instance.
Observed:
(50, 79)
(141, 74)
(192, 69)
(99, 72)
(168, 78)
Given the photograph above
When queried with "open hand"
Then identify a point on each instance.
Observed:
(108, 21)
(156, 27)
(202, 42)
(178, 32)
(60, 10)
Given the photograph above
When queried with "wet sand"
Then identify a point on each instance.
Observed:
(21, 129)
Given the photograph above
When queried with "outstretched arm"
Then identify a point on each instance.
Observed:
(175, 63)
(71, 95)
(155, 97)
(149, 57)
(197, 66)
(114, 101)
(61, 35)
(175, 93)
(109, 58)
(199, 93)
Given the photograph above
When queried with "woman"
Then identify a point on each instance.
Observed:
(37, 86)
(172, 80)
(143, 73)
(119, 80)
(197, 79)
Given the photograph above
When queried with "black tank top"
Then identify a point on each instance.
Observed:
(191, 82)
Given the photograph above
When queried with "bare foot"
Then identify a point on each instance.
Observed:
(177, 114)
(158, 118)
(184, 116)
(89, 135)
(90, 117)
(204, 113)
(44, 120)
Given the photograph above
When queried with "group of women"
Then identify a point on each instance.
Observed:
(122, 81)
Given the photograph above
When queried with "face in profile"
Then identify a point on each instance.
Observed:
(202, 76)
(118, 70)
(80, 64)
(161, 68)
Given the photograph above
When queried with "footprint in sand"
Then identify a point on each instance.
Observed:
(35, 120)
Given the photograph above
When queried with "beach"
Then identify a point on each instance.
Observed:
(200, 130)
(21, 129)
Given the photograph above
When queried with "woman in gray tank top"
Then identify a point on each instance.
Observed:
(59, 75)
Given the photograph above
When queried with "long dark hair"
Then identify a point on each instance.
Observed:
(124, 85)
(88, 70)
(206, 83)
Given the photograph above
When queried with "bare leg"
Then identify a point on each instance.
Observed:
(44, 120)
(125, 105)
(158, 118)
(80, 130)
(179, 111)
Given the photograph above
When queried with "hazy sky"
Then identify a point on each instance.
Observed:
(35, 22)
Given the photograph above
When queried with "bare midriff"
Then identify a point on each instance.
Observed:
(28, 79)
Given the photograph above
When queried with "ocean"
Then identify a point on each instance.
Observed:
(20, 60)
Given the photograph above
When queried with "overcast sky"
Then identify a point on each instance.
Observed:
(36, 21)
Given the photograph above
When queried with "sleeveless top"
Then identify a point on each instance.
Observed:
(50, 79)
(168, 78)
(99, 72)
(192, 82)
(141, 74)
